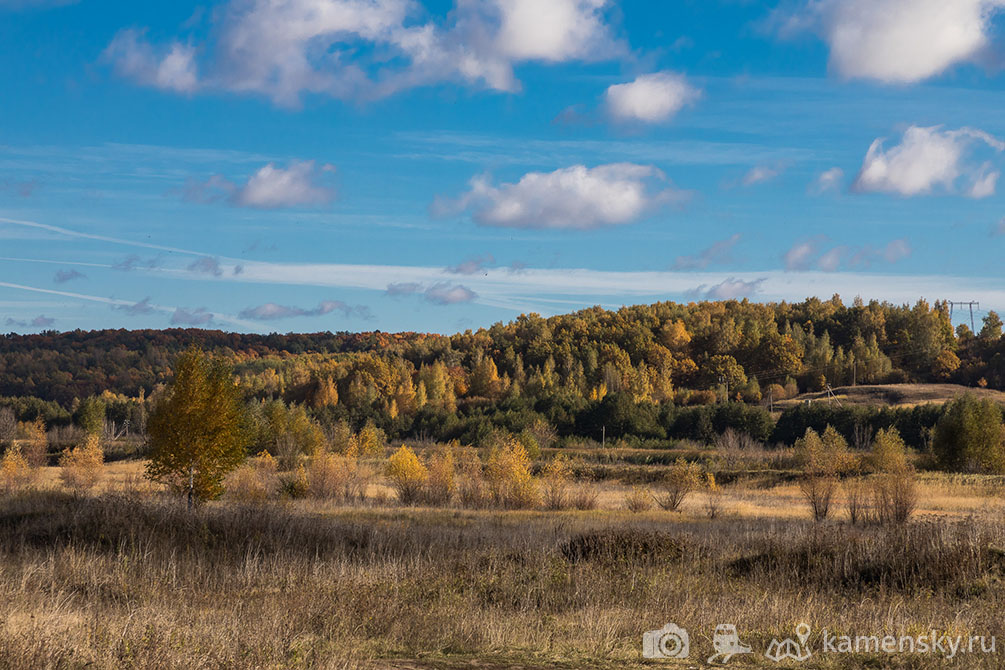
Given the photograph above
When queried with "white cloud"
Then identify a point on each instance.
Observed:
(729, 289)
(926, 159)
(171, 69)
(984, 182)
(444, 293)
(270, 311)
(651, 98)
(828, 180)
(719, 252)
(576, 197)
(760, 173)
(896, 250)
(800, 255)
(373, 48)
(299, 184)
(899, 41)
(472, 265)
(830, 261)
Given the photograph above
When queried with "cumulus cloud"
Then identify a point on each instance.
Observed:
(472, 265)
(719, 252)
(828, 180)
(40, 321)
(928, 159)
(370, 48)
(650, 98)
(171, 68)
(898, 41)
(270, 311)
(136, 309)
(191, 317)
(444, 293)
(576, 197)
(63, 276)
(760, 173)
(271, 187)
(440, 293)
(728, 289)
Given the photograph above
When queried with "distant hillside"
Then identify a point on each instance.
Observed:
(892, 395)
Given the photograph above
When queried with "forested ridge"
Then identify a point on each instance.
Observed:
(628, 371)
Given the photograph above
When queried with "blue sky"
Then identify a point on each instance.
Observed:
(304, 165)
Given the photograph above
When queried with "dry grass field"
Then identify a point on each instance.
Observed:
(126, 577)
(893, 395)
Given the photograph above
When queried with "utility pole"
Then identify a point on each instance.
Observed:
(971, 304)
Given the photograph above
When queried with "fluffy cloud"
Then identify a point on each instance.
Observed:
(370, 48)
(135, 309)
(651, 98)
(576, 197)
(440, 293)
(472, 265)
(898, 41)
(63, 276)
(729, 289)
(828, 180)
(270, 311)
(926, 159)
(271, 187)
(800, 255)
(191, 317)
(760, 173)
(445, 293)
(172, 68)
(717, 253)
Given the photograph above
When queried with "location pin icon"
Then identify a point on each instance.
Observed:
(803, 632)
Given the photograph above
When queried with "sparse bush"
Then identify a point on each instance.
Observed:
(15, 472)
(408, 475)
(713, 496)
(681, 480)
(8, 426)
(256, 480)
(82, 466)
(472, 491)
(509, 478)
(895, 496)
(441, 482)
(35, 443)
(638, 499)
(584, 496)
(336, 477)
(856, 500)
(557, 478)
(823, 459)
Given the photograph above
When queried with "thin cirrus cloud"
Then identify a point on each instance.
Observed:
(472, 265)
(896, 41)
(930, 159)
(439, 293)
(300, 184)
(759, 174)
(573, 198)
(283, 50)
(718, 253)
(650, 98)
(271, 311)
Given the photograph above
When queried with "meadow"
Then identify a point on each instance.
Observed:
(124, 576)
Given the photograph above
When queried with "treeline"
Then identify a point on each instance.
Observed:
(648, 372)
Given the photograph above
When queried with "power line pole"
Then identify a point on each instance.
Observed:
(971, 304)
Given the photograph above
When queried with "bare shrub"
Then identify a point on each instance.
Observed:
(557, 478)
(584, 496)
(255, 481)
(472, 491)
(713, 496)
(440, 482)
(681, 480)
(638, 499)
(856, 500)
(544, 433)
(336, 477)
(82, 466)
(895, 497)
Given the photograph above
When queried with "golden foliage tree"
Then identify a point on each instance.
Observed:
(198, 429)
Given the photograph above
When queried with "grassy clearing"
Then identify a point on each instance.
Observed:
(132, 580)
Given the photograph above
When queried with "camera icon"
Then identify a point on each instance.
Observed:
(671, 641)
